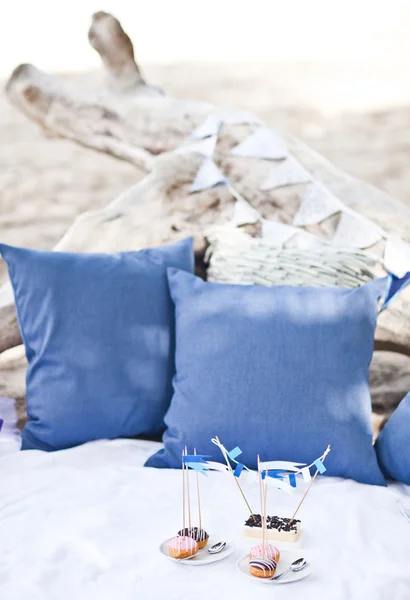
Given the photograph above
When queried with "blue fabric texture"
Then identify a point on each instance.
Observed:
(393, 444)
(98, 330)
(281, 371)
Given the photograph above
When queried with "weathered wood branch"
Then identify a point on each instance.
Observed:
(135, 122)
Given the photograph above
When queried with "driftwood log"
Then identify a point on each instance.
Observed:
(136, 122)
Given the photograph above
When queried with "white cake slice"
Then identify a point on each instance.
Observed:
(277, 529)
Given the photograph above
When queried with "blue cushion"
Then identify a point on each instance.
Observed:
(281, 372)
(393, 444)
(99, 336)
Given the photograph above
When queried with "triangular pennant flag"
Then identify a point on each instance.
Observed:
(317, 204)
(243, 213)
(239, 117)
(394, 287)
(210, 127)
(205, 147)
(278, 233)
(354, 231)
(262, 143)
(287, 172)
(397, 257)
(304, 240)
(207, 176)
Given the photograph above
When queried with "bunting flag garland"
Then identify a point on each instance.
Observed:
(239, 117)
(278, 233)
(207, 176)
(287, 172)
(317, 205)
(394, 287)
(355, 231)
(280, 465)
(397, 257)
(210, 127)
(205, 147)
(234, 453)
(262, 143)
(243, 213)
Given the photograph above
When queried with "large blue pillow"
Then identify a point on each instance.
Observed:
(98, 330)
(282, 372)
(393, 444)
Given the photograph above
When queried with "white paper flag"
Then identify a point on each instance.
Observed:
(287, 172)
(354, 231)
(306, 474)
(205, 147)
(262, 143)
(317, 205)
(210, 127)
(243, 213)
(280, 484)
(397, 257)
(278, 233)
(207, 176)
(280, 465)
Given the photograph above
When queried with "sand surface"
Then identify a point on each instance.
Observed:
(358, 117)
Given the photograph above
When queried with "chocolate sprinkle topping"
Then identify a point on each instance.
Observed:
(278, 523)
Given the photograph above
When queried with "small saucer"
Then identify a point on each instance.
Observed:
(286, 559)
(202, 557)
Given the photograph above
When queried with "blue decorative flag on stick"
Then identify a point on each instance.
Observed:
(320, 466)
(239, 468)
(234, 453)
(292, 480)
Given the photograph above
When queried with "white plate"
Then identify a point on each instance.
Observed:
(286, 559)
(202, 557)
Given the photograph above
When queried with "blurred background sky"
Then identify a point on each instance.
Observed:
(362, 46)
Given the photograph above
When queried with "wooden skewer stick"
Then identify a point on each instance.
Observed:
(310, 485)
(198, 496)
(265, 525)
(183, 494)
(188, 493)
(236, 479)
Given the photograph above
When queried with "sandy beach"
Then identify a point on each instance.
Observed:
(45, 183)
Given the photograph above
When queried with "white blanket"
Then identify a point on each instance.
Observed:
(85, 524)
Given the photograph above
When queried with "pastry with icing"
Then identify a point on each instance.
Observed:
(199, 535)
(182, 546)
(265, 550)
(262, 567)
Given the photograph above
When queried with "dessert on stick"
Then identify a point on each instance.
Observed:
(262, 563)
(196, 533)
(283, 529)
(183, 546)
